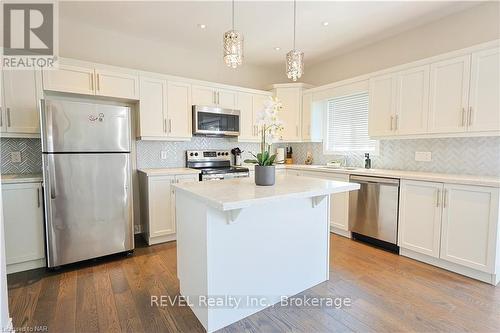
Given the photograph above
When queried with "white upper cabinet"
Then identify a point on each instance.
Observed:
(116, 84)
(382, 107)
(179, 110)
(211, 96)
(420, 210)
(152, 107)
(306, 116)
(449, 95)
(247, 125)
(71, 79)
(412, 106)
(290, 115)
(469, 230)
(92, 81)
(20, 105)
(484, 100)
(164, 109)
(399, 103)
(226, 99)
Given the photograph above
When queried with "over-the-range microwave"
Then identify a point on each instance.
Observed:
(214, 121)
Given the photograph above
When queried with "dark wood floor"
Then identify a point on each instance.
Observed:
(389, 293)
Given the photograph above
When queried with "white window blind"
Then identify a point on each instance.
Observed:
(347, 125)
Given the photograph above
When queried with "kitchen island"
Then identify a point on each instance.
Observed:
(242, 247)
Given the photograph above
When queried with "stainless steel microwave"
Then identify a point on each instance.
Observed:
(214, 121)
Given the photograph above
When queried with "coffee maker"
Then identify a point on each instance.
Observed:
(237, 156)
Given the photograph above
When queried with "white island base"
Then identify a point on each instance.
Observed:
(253, 248)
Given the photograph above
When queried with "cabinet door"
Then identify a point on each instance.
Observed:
(382, 105)
(152, 106)
(412, 101)
(71, 79)
(449, 95)
(201, 95)
(469, 231)
(180, 179)
(247, 126)
(291, 98)
(20, 95)
(116, 84)
(306, 116)
(227, 99)
(23, 218)
(484, 104)
(160, 206)
(420, 210)
(179, 110)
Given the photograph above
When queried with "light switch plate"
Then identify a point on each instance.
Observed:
(163, 155)
(15, 157)
(423, 156)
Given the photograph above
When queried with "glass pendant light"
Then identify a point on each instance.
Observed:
(294, 58)
(233, 46)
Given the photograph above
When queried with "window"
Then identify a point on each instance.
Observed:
(347, 125)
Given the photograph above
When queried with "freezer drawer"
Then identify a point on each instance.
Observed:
(373, 210)
(70, 126)
(87, 206)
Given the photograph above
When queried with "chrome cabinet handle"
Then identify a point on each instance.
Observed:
(8, 117)
(392, 122)
(470, 116)
(445, 198)
(165, 125)
(397, 122)
(438, 196)
(38, 197)
(169, 125)
(98, 83)
(463, 117)
(92, 83)
(215, 97)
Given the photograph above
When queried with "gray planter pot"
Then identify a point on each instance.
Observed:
(264, 175)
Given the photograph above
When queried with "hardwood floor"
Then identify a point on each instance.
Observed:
(389, 293)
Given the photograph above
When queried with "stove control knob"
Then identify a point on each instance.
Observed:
(191, 154)
(218, 154)
(195, 154)
(227, 153)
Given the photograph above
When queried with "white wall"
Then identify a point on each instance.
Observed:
(473, 26)
(81, 41)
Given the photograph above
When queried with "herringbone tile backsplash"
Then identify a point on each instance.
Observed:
(473, 156)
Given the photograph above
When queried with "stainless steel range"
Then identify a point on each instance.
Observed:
(214, 164)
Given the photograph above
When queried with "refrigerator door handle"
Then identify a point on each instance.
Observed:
(52, 176)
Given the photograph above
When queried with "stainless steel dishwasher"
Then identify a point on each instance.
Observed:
(373, 211)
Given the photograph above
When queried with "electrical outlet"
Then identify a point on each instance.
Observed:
(423, 156)
(163, 155)
(15, 157)
(137, 229)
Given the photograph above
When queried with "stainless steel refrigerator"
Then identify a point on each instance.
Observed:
(87, 181)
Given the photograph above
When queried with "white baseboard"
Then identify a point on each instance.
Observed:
(161, 239)
(449, 266)
(340, 232)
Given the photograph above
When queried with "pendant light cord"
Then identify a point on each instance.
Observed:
(294, 20)
(233, 15)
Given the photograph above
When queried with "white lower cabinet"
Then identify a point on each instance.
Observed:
(24, 226)
(420, 216)
(455, 224)
(469, 230)
(158, 205)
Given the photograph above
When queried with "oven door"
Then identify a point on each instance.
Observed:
(213, 121)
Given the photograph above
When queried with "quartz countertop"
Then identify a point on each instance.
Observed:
(169, 171)
(22, 178)
(409, 175)
(242, 192)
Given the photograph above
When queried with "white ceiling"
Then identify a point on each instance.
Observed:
(265, 24)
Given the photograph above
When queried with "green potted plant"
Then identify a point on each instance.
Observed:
(269, 130)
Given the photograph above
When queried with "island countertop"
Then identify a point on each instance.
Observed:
(242, 192)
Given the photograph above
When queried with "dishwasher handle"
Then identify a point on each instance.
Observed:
(375, 180)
